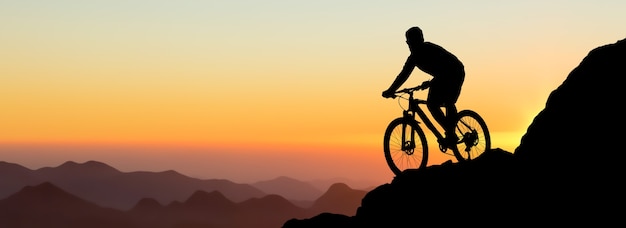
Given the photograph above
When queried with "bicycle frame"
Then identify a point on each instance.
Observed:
(414, 108)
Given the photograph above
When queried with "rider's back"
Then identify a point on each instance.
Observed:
(436, 61)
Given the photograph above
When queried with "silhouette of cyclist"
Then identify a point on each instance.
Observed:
(445, 87)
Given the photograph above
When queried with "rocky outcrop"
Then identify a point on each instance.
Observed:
(566, 171)
(582, 119)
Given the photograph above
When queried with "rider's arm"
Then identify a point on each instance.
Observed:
(409, 65)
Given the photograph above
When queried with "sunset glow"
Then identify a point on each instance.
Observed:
(251, 90)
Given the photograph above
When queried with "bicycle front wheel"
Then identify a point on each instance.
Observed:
(405, 146)
(474, 137)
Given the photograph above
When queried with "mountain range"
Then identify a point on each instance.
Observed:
(94, 194)
(106, 186)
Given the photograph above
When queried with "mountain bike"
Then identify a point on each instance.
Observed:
(405, 144)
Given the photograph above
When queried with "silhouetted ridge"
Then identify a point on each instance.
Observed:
(45, 192)
(94, 166)
(6, 167)
(267, 208)
(90, 169)
(68, 164)
(289, 188)
(565, 172)
(339, 187)
(51, 205)
(269, 203)
(106, 186)
(14, 177)
(147, 204)
(46, 205)
(170, 172)
(213, 199)
(339, 198)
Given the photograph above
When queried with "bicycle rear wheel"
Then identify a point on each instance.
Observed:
(473, 136)
(405, 145)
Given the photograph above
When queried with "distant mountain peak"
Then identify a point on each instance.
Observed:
(45, 192)
(91, 165)
(271, 202)
(171, 173)
(279, 179)
(12, 167)
(147, 204)
(203, 198)
(339, 187)
(69, 164)
(289, 188)
(201, 195)
(285, 178)
(339, 198)
(340, 190)
(43, 187)
(96, 163)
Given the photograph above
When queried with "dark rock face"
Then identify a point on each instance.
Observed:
(566, 171)
(580, 123)
(450, 194)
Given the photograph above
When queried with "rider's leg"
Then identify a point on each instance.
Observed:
(449, 135)
(438, 115)
(439, 96)
(451, 116)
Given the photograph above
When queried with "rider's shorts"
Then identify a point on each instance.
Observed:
(445, 91)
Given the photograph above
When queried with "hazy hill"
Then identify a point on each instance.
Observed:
(324, 184)
(70, 171)
(565, 172)
(14, 177)
(306, 194)
(46, 205)
(202, 209)
(289, 188)
(340, 199)
(268, 211)
(108, 187)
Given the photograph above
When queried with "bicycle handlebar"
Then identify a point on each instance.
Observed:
(423, 86)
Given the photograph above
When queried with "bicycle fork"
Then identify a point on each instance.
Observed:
(408, 146)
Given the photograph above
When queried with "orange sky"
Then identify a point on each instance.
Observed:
(249, 90)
